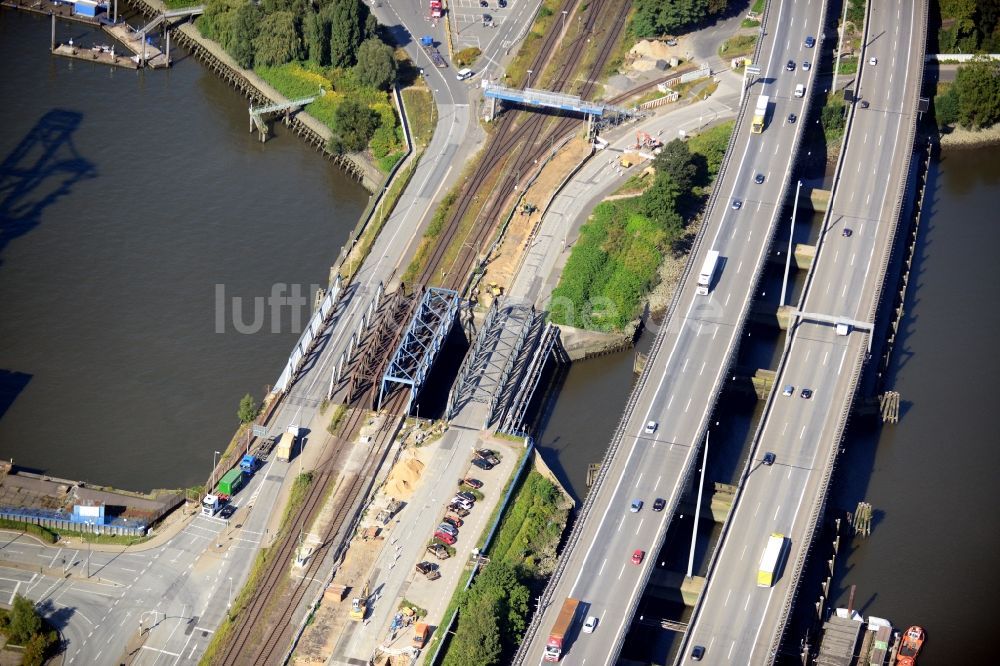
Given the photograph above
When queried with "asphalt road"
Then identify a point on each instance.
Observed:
(687, 372)
(738, 621)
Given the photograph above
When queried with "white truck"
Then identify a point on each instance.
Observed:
(707, 273)
(760, 115)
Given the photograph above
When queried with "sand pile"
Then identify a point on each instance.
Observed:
(403, 478)
(651, 49)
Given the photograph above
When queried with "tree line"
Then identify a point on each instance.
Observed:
(656, 18)
(330, 33)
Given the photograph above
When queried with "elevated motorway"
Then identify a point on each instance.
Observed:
(685, 370)
(736, 621)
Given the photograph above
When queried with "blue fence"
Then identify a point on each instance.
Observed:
(65, 521)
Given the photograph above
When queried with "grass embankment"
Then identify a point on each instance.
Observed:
(421, 113)
(260, 563)
(296, 80)
(467, 57)
(833, 118)
(494, 612)
(738, 45)
(614, 263)
(43, 533)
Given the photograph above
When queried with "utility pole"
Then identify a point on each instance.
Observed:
(697, 507)
(214, 463)
(791, 234)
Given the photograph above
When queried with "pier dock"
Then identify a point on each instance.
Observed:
(146, 55)
(95, 54)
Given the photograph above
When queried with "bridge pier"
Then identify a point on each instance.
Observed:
(719, 504)
(675, 586)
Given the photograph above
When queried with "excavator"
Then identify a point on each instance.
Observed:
(359, 605)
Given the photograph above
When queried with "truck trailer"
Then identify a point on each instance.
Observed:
(759, 115)
(231, 482)
(436, 9)
(560, 630)
(707, 273)
(427, 44)
(286, 445)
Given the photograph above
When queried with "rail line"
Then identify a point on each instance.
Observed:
(527, 134)
(241, 649)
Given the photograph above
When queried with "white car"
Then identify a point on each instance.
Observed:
(590, 624)
(651, 427)
(464, 74)
(873, 61)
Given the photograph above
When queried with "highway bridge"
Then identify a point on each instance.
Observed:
(687, 366)
(691, 355)
(736, 621)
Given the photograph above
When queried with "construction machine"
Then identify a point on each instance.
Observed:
(359, 605)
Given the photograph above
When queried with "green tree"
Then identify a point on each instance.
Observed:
(946, 108)
(977, 86)
(477, 641)
(316, 33)
(659, 203)
(249, 409)
(278, 40)
(347, 23)
(35, 649)
(240, 41)
(376, 64)
(25, 621)
(355, 124)
(675, 161)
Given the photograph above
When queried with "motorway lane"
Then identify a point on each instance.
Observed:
(687, 377)
(799, 431)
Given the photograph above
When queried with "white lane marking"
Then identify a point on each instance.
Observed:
(730, 655)
(747, 603)
(670, 402)
(802, 433)
(826, 356)
(739, 267)
(842, 357)
(776, 510)
(757, 509)
(853, 254)
(744, 552)
(687, 405)
(729, 594)
(685, 367)
(639, 480)
(784, 428)
(601, 572)
(726, 304)
(640, 526)
(702, 367)
(620, 573)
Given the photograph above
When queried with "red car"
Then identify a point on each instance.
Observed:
(453, 520)
(637, 556)
(447, 538)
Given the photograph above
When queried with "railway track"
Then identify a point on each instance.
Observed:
(524, 141)
(271, 618)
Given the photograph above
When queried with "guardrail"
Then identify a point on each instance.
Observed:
(619, 434)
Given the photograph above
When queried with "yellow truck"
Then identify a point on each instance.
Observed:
(421, 632)
(286, 445)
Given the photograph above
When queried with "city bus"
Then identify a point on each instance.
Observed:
(771, 560)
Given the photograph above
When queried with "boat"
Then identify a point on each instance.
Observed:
(910, 646)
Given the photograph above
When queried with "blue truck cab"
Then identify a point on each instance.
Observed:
(248, 464)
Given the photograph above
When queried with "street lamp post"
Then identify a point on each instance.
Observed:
(214, 463)
(697, 509)
(791, 233)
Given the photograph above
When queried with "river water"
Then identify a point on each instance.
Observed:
(127, 202)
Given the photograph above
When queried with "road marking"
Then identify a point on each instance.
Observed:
(639, 480)
(826, 356)
(743, 554)
(731, 646)
(728, 594)
(776, 510)
(739, 267)
(702, 367)
(620, 573)
(842, 357)
(784, 428)
(802, 432)
(726, 304)
(757, 509)
(843, 292)
(716, 332)
(619, 527)
(55, 557)
(602, 566)
(640, 526)
(853, 254)
(686, 407)
(657, 482)
(670, 402)
(808, 351)
(747, 603)
(684, 369)
(836, 255)
(172, 654)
